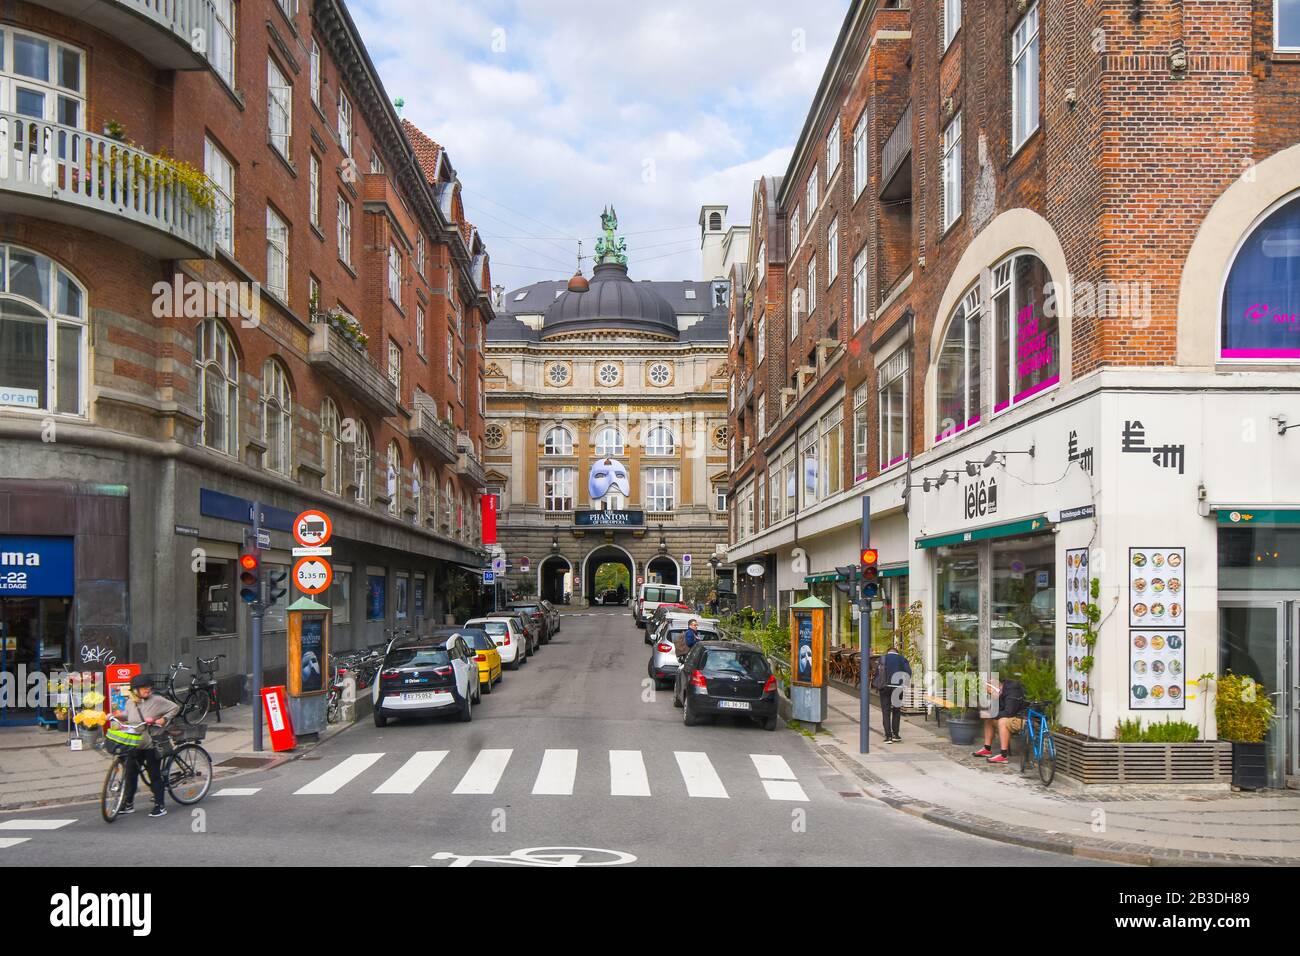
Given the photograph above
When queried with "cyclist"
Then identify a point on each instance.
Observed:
(143, 706)
(1008, 718)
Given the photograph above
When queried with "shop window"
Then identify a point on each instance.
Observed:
(1261, 302)
(340, 595)
(376, 596)
(215, 598)
(1023, 626)
(402, 597)
(957, 592)
(893, 390)
(1026, 332)
(958, 391)
(42, 334)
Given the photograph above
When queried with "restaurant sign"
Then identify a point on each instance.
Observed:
(609, 519)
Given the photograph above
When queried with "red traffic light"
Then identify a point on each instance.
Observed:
(869, 557)
(249, 562)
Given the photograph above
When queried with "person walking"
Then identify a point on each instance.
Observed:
(892, 674)
(143, 706)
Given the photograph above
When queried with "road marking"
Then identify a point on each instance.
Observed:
(485, 772)
(237, 791)
(558, 769)
(6, 842)
(627, 776)
(413, 773)
(778, 779)
(699, 776)
(34, 824)
(331, 781)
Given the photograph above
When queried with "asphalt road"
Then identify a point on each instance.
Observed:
(571, 751)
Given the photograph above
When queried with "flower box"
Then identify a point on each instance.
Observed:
(1111, 762)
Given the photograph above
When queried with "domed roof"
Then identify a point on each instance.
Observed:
(613, 303)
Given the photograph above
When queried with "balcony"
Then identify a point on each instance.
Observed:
(896, 160)
(432, 434)
(470, 468)
(352, 369)
(67, 175)
(162, 31)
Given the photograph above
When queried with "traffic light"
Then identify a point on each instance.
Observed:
(274, 590)
(250, 577)
(870, 559)
(847, 580)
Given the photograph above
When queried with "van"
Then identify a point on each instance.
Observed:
(650, 596)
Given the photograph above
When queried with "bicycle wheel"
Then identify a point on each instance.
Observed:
(1047, 760)
(188, 773)
(196, 708)
(110, 798)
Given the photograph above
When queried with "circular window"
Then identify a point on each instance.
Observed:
(557, 373)
(494, 436)
(720, 436)
(608, 374)
(660, 373)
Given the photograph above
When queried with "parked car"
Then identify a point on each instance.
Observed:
(508, 635)
(534, 612)
(427, 675)
(530, 627)
(663, 612)
(553, 614)
(669, 647)
(726, 677)
(485, 651)
(611, 597)
(650, 596)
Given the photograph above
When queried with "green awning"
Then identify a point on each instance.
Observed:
(1252, 516)
(899, 572)
(830, 578)
(1010, 529)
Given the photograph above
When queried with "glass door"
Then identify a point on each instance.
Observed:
(1293, 711)
(1253, 637)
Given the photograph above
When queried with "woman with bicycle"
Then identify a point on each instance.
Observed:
(143, 706)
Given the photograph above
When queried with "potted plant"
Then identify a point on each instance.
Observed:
(1244, 714)
(961, 691)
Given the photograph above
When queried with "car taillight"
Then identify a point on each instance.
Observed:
(506, 643)
(391, 672)
(442, 671)
(481, 658)
(665, 648)
(770, 685)
(697, 679)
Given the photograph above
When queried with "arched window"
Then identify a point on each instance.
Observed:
(446, 507)
(217, 372)
(460, 515)
(417, 491)
(394, 476)
(42, 333)
(1026, 330)
(608, 441)
(958, 391)
(715, 221)
(558, 442)
(361, 460)
(277, 419)
(659, 441)
(331, 447)
(1261, 301)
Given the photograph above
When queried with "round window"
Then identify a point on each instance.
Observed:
(660, 373)
(720, 436)
(607, 374)
(558, 373)
(494, 436)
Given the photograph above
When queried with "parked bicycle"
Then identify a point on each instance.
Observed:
(186, 766)
(1038, 744)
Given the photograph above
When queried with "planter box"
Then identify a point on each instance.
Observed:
(1105, 761)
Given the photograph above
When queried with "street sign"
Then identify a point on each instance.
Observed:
(312, 528)
(686, 565)
(313, 552)
(524, 564)
(263, 541)
(312, 575)
(755, 570)
(489, 577)
(499, 564)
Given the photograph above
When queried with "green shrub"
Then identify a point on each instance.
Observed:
(1129, 731)
(1167, 732)
(1242, 709)
(1039, 679)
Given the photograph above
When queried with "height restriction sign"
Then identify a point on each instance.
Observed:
(312, 528)
(312, 575)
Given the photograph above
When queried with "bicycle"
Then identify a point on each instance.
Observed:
(197, 697)
(1038, 743)
(186, 767)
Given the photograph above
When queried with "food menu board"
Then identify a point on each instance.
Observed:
(1156, 587)
(1076, 681)
(1157, 646)
(1157, 670)
(1076, 586)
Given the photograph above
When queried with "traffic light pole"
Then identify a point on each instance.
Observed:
(257, 609)
(864, 631)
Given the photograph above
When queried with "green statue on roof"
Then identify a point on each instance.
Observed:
(610, 248)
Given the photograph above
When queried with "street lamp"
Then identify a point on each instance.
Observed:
(555, 541)
(663, 542)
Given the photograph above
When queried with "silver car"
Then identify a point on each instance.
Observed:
(670, 645)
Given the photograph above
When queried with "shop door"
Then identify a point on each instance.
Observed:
(1254, 640)
(1293, 710)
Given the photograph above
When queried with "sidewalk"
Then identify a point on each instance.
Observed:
(37, 767)
(928, 777)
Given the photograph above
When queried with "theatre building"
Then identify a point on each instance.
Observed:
(606, 436)
(229, 273)
(1042, 305)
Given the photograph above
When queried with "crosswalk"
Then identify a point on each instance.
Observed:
(557, 774)
(21, 824)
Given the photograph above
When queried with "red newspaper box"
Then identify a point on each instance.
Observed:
(275, 708)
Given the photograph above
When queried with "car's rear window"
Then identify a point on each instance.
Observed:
(493, 627)
(663, 593)
(747, 663)
(679, 634)
(418, 657)
(529, 608)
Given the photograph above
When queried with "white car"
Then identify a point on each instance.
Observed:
(650, 596)
(424, 676)
(511, 642)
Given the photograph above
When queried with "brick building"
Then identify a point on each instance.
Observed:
(233, 275)
(1042, 306)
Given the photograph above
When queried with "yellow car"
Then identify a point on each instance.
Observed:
(488, 657)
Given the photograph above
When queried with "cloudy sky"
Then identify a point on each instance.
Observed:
(552, 108)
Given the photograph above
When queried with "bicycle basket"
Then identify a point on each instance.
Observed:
(206, 668)
(182, 732)
(121, 742)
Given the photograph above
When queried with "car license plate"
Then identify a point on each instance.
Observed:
(734, 704)
(423, 696)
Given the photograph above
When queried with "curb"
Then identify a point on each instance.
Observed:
(974, 825)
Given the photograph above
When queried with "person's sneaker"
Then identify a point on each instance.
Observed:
(158, 812)
(126, 809)
(998, 758)
(983, 752)
(889, 740)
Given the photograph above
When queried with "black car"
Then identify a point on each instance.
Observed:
(726, 677)
(533, 612)
(428, 675)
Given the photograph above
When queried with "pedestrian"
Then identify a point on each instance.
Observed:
(713, 603)
(1008, 718)
(892, 674)
(143, 706)
(692, 633)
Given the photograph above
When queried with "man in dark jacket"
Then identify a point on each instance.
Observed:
(1008, 718)
(893, 673)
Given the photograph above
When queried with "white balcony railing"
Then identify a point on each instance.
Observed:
(170, 34)
(69, 175)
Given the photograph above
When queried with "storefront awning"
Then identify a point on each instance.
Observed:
(1230, 515)
(478, 571)
(899, 572)
(834, 577)
(1010, 529)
